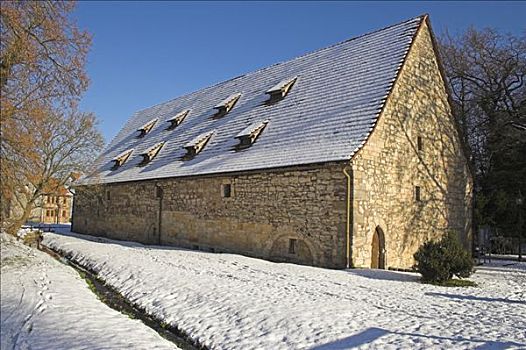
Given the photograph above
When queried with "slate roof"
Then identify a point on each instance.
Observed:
(327, 115)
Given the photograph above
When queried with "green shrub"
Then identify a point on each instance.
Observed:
(441, 260)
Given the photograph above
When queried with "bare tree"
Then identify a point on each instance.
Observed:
(42, 76)
(487, 73)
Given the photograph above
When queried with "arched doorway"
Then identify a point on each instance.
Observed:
(378, 249)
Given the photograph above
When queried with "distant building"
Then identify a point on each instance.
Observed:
(346, 154)
(53, 208)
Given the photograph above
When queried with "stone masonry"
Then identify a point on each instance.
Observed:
(265, 211)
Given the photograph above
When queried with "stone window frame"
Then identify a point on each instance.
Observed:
(159, 191)
(418, 194)
(224, 186)
(419, 143)
(293, 245)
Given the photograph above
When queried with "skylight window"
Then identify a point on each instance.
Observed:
(197, 144)
(121, 158)
(280, 90)
(148, 156)
(146, 128)
(248, 135)
(226, 105)
(177, 119)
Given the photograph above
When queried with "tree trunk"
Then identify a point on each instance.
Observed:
(17, 223)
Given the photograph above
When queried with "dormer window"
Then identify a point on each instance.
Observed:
(226, 105)
(146, 128)
(248, 135)
(121, 158)
(177, 119)
(148, 156)
(197, 144)
(280, 90)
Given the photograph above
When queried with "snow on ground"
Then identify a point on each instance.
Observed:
(229, 301)
(47, 305)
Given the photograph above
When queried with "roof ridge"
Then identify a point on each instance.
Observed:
(421, 17)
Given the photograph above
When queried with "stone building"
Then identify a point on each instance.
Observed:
(344, 156)
(53, 208)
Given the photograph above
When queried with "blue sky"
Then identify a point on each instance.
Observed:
(145, 53)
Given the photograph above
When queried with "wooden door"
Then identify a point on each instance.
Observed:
(375, 251)
(378, 250)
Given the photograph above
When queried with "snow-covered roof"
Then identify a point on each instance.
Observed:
(327, 115)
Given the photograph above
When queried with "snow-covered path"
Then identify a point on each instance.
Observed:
(233, 302)
(46, 305)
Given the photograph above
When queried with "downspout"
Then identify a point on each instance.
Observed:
(348, 220)
(159, 195)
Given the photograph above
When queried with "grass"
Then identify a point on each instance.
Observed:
(453, 283)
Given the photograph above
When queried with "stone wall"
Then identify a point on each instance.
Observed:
(265, 211)
(390, 165)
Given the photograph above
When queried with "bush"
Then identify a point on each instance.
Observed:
(439, 261)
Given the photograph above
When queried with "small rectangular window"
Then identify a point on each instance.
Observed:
(227, 190)
(108, 196)
(417, 194)
(63, 213)
(292, 246)
(419, 143)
